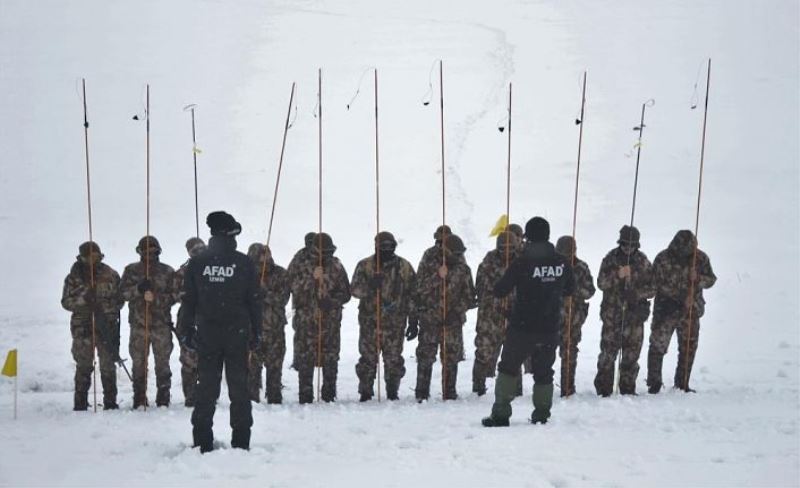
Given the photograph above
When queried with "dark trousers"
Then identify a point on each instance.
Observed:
(230, 351)
(518, 346)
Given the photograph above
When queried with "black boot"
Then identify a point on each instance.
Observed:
(162, 397)
(478, 378)
(329, 374)
(240, 439)
(81, 401)
(451, 376)
(274, 386)
(204, 439)
(139, 398)
(306, 385)
(392, 388)
(654, 388)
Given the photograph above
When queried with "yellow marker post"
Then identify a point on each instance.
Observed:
(10, 370)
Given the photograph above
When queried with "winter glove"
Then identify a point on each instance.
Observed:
(327, 304)
(144, 285)
(413, 329)
(376, 281)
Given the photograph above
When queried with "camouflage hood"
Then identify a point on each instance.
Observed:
(683, 244)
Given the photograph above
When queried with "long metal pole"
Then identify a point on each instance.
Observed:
(444, 234)
(319, 241)
(378, 229)
(568, 387)
(91, 247)
(692, 282)
(147, 244)
(196, 200)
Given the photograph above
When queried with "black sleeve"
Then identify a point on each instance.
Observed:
(507, 282)
(186, 314)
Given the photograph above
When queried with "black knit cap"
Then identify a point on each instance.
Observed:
(537, 230)
(89, 248)
(629, 235)
(223, 224)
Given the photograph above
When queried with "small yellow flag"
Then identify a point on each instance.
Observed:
(500, 226)
(197, 150)
(10, 367)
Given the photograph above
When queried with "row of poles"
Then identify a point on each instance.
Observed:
(321, 284)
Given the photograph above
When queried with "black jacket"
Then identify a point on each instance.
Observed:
(220, 293)
(542, 278)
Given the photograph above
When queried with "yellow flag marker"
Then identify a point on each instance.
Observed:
(500, 226)
(197, 150)
(10, 367)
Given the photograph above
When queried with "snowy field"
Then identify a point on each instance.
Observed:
(237, 61)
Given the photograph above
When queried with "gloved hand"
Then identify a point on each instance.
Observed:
(375, 281)
(255, 342)
(413, 329)
(144, 285)
(327, 304)
(90, 297)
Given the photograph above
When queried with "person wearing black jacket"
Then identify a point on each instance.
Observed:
(542, 278)
(221, 298)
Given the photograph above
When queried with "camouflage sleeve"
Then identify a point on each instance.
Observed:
(340, 291)
(607, 278)
(359, 287)
(173, 293)
(187, 312)
(706, 277)
(282, 288)
(303, 286)
(507, 282)
(116, 298)
(482, 291)
(472, 293)
(569, 280)
(127, 285)
(410, 287)
(72, 293)
(253, 301)
(644, 281)
(583, 279)
(661, 280)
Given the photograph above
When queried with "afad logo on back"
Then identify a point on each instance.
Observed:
(217, 274)
(548, 274)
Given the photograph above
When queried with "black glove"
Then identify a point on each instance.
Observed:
(144, 285)
(255, 342)
(327, 304)
(413, 329)
(90, 297)
(376, 281)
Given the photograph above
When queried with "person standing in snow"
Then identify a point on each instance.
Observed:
(626, 279)
(156, 288)
(578, 309)
(188, 357)
(274, 293)
(448, 337)
(81, 298)
(396, 281)
(541, 279)
(674, 276)
(490, 328)
(318, 291)
(221, 318)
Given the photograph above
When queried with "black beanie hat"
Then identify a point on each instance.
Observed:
(537, 229)
(223, 224)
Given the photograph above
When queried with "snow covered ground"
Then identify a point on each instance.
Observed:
(237, 60)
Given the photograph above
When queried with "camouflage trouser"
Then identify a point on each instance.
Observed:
(569, 353)
(490, 331)
(314, 350)
(81, 329)
(160, 339)
(661, 331)
(188, 359)
(391, 344)
(613, 341)
(270, 356)
(429, 342)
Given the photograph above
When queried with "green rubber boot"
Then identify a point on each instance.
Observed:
(542, 402)
(505, 388)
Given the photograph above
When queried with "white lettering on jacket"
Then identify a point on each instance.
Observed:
(217, 274)
(548, 273)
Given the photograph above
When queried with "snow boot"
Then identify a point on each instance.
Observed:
(392, 388)
(274, 397)
(518, 392)
(654, 388)
(505, 387)
(204, 439)
(240, 439)
(81, 401)
(162, 397)
(451, 376)
(478, 378)
(542, 402)
(139, 399)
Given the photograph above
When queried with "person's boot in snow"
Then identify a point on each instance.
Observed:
(542, 403)
(505, 387)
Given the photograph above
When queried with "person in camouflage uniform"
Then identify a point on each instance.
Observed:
(308, 243)
(82, 299)
(188, 357)
(575, 307)
(396, 281)
(318, 291)
(490, 328)
(672, 275)
(274, 294)
(158, 291)
(460, 293)
(626, 280)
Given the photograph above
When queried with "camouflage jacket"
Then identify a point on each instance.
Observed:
(489, 273)
(431, 261)
(78, 282)
(162, 279)
(639, 289)
(305, 289)
(291, 269)
(584, 283)
(460, 295)
(397, 291)
(274, 291)
(671, 277)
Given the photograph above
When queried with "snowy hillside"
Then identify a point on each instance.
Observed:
(237, 61)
